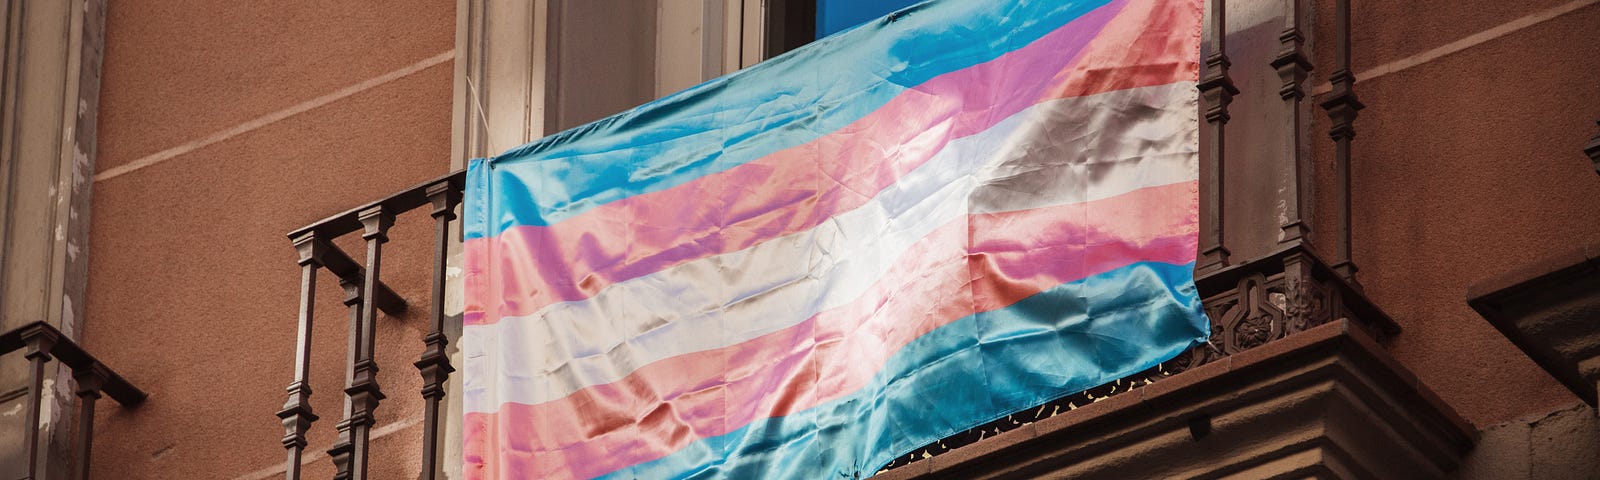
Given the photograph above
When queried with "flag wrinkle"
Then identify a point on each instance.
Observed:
(823, 262)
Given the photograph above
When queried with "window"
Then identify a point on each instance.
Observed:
(836, 15)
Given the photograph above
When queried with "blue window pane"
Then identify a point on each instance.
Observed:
(836, 15)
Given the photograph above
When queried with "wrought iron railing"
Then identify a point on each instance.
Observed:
(365, 296)
(40, 342)
(1251, 303)
(1287, 291)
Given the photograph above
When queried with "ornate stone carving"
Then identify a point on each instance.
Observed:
(1249, 304)
(1256, 326)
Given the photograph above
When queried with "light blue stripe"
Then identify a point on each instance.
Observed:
(974, 370)
(475, 199)
(777, 104)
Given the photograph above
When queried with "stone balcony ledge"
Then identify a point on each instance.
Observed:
(1551, 310)
(1327, 402)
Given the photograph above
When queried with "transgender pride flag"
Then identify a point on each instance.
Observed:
(810, 267)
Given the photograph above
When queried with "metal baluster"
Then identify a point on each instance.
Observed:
(1218, 90)
(1293, 66)
(1342, 106)
(40, 341)
(435, 363)
(340, 452)
(364, 392)
(90, 380)
(296, 413)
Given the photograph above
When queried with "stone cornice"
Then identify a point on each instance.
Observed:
(1328, 402)
(1551, 310)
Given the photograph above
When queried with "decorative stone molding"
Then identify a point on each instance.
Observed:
(49, 100)
(501, 79)
(1551, 310)
(529, 68)
(1251, 305)
(1328, 402)
(51, 86)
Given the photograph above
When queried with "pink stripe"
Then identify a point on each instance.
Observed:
(527, 268)
(665, 406)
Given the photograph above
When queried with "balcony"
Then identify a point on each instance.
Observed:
(1295, 381)
(1548, 309)
(365, 296)
(40, 343)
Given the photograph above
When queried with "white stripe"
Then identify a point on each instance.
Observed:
(1106, 144)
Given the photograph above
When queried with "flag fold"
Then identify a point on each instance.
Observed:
(810, 267)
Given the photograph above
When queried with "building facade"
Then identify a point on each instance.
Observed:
(157, 152)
